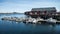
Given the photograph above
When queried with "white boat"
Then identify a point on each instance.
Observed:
(35, 21)
(39, 19)
(51, 20)
(29, 20)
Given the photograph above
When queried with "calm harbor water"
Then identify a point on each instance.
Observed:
(22, 28)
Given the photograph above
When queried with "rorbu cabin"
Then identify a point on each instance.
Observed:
(42, 12)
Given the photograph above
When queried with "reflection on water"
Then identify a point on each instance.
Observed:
(19, 27)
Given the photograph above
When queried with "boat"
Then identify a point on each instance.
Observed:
(34, 21)
(51, 20)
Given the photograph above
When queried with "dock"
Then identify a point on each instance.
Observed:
(28, 20)
(13, 19)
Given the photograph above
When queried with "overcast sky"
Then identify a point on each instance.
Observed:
(26, 5)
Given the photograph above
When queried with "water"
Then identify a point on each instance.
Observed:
(9, 27)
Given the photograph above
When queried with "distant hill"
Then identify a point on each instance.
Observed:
(12, 13)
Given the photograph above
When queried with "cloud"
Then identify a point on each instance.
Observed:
(26, 5)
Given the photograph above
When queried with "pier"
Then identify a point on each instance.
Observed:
(30, 20)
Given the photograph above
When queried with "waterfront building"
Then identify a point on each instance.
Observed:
(43, 12)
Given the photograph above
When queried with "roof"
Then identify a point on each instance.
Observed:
(44, 9)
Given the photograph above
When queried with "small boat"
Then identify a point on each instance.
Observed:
(34, 21)
(28, 20)
(51, 20)
(39, 19)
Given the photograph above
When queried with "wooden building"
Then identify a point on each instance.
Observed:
(42, 12)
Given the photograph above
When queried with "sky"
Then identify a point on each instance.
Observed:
(22, 6)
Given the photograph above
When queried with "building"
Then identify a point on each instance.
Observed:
(42, 12)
